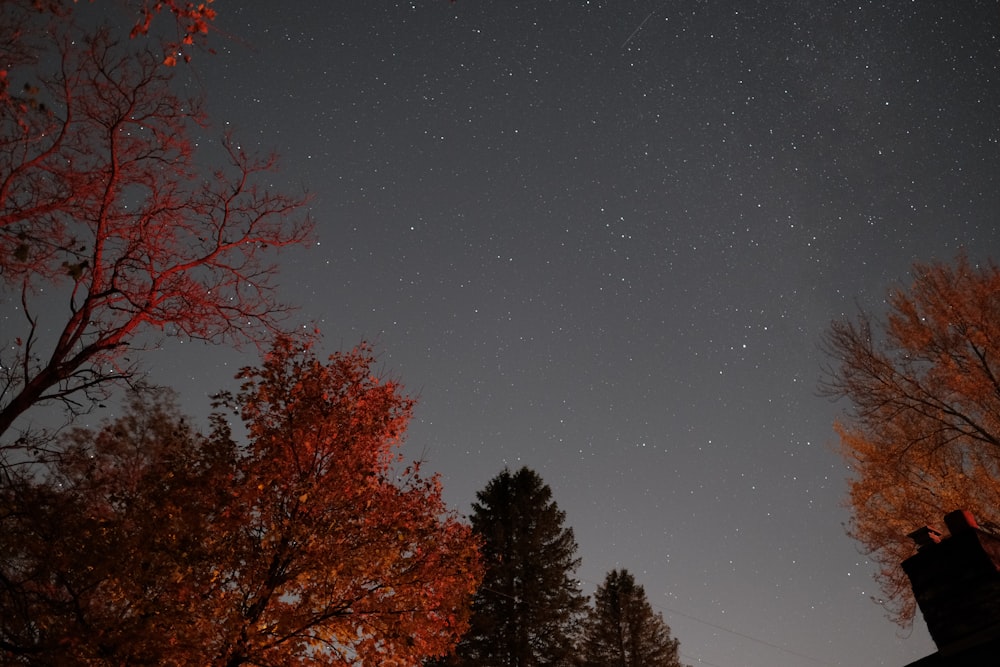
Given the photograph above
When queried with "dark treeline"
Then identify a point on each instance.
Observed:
(529, 610)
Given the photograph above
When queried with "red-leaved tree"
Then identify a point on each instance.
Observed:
(309, 542)
(110, 228)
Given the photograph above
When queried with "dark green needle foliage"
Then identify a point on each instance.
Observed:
(622, 630)
(528, 610)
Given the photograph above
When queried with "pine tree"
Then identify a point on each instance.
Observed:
(528, 610)
(622, 630)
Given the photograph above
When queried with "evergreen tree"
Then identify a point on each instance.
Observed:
(528, 610)
(622, 630)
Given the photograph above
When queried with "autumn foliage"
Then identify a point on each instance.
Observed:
(192, 20)
(303, 540)
(187, 23)
(309, 543)
(923, 437)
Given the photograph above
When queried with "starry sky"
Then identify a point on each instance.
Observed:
(603, 238)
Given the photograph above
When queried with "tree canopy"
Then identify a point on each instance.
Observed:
(307, 543)
(923, 435)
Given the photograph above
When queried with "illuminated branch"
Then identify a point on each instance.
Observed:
(923, 437)
(101, 200)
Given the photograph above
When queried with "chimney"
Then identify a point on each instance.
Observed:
(956, 582)
(925, 537)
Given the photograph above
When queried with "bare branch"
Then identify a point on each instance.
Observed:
(102, 201)
(923, 435)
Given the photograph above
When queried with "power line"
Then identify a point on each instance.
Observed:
(745, 636)
(698, 660)
(710, 624)
(733, 632)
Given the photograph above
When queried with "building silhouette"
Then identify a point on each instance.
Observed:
(956, 582)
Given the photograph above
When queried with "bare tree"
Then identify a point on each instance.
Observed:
(107, 218)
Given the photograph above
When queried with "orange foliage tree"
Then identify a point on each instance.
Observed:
(110, 228)
(308, 544)
(923, 437)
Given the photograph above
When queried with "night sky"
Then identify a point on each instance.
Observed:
(603, 238)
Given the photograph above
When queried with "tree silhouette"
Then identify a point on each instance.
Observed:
(528, 609)
(622, 630)
(308, 544)
(110, 229)
(923, 437)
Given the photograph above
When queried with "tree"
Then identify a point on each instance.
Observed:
(108, 557)
(923, 437)
(110, 229)
(309, 544)
(622, 630)
(527, 611)
(191, 21)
